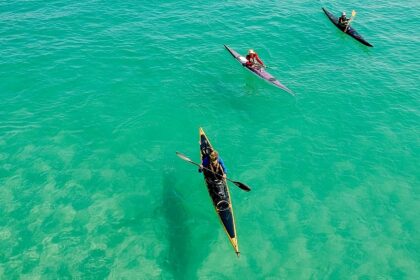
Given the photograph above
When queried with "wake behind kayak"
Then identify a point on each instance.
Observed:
(350, 31)
(259, 71)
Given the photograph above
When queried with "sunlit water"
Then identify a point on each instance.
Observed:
(97, 96)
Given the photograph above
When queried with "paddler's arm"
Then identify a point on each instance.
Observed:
(260, 61)
(248, 61)
(222, 164)
(342, 21)
(206, 162)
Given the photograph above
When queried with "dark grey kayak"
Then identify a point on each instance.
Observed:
(350, 31)
(259, 71)
(219, 193)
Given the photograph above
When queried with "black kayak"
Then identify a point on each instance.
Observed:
(219, 194)
(350, 31)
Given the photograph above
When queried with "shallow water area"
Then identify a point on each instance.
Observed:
(98, 96)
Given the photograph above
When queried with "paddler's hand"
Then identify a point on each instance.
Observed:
(224, 176)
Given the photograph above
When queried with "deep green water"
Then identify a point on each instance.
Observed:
(97, 96)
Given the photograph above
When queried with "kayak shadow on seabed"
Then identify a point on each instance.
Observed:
(252, 86)
(177, 259)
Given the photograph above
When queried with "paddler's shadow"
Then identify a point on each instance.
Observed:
(178, 258)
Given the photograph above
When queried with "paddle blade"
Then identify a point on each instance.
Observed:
(242, 186)
(353, 13)
(184, 157)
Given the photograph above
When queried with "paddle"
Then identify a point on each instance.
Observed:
(270, 67)
(239, 184)
(257, 66)
(353, 15)
(260, 65)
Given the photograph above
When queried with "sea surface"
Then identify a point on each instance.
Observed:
(97, 96)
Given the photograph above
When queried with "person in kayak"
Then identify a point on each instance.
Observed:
(343, 20)
(214, 163)
(253, 59)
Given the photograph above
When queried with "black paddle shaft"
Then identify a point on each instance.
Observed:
(239, 184)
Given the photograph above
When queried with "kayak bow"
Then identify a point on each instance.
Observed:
(219, 194)
(350, 31)
(259, 71)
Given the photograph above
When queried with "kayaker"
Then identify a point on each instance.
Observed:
(253, 59)
(343, 20)
(214, 163)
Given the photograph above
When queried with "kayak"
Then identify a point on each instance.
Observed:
(259, 71)
(219, 194)
(350, 31)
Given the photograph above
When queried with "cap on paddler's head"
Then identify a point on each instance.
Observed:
(343, 13)
(251, 51)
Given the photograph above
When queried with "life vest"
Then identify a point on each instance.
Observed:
(216, 169)
(252, 59)
(343, 21)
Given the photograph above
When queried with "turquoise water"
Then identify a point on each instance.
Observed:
(97, 96)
